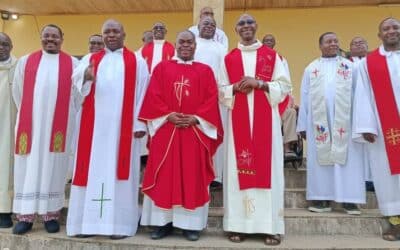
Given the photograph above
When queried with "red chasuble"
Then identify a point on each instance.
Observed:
(168, 52)
(179, 167)
(253, 151)
(87, 122)
(61, 111)
(387, 108)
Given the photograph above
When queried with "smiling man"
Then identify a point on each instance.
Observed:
(335, 166)
(104, 191)
(377, 121)
(46, 112)
(255, 84)
(181, 111)
(158, 49)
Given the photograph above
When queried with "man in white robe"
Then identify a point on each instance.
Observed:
(104, 195)
(358, 51)
(7, 123)
(289, 116)
(219, 35)
(335, 166)
(261, 78)
(369, 126)
(212, 53)
(42, 150)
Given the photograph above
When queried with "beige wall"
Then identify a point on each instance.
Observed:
(296, 30)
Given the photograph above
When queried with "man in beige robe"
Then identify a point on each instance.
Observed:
(7, 122)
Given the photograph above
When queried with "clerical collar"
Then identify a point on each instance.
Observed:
(159, 41)
(6, 61)
(180, 61)
(49, 54)
(327, 59)
(115, 51)
(383, 52)
(251, 47)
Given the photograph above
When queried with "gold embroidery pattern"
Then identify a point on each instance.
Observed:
(23, 143)
(249, 206)
(178, 85)
(394, 220)
(247, 171)
(58, 140)
(393, 136)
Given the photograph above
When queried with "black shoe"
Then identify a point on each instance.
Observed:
(82, 236)
(22, 227)
(369, 186)
(52, 226)
(320, 207)
(117, 237)
(5, 220)
(191, 235)
(215, 185)
(161, 232)
(351, 209)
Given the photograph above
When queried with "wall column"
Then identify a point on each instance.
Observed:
(216, 5)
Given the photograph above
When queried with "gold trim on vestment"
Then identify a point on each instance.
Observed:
(58, 140)
(23, 143)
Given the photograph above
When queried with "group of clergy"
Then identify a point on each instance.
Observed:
(207, 115)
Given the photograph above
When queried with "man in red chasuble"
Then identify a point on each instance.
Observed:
(182, 115)
(377, 121)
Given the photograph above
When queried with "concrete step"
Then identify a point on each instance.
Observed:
(39, 239)
(303, 222)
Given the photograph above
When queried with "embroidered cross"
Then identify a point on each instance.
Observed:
(245, 157)
(315, 72)
(101, 200)
(249, 206)
(341, 132)
(393, 136)
(178, 85)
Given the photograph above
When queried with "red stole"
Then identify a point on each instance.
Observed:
(168, 52)
(61, 111)
(87, 122)
(285, 103)
(253, 152)
(386, 106)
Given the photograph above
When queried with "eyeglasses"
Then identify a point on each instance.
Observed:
(243, 22)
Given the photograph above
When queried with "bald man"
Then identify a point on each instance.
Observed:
(104, 192)
(219, 35)
(377, 121)
(7, 123)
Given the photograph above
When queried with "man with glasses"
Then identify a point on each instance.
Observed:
(159, 49)
(358, 49)
(7, 123)
(255, 84)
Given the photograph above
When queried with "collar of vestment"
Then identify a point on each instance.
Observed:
(159, 41)
(331, 141)
(252, 47)
(119, 51)
(180, 61)
(9, 63)
(383, 52)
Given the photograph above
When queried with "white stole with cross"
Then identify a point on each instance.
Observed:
(331, 143)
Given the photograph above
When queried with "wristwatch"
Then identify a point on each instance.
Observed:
(260, 83)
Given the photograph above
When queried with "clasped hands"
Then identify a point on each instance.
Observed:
(247, 84)
(182, 120)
